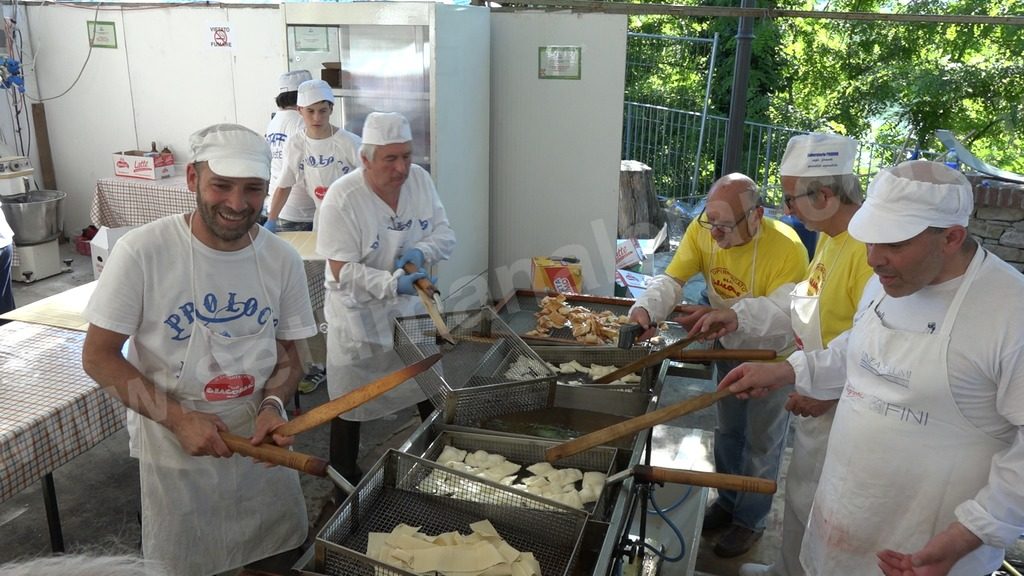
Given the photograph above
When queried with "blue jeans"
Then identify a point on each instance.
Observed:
(6, 293)
(750, 440)
(293, 226)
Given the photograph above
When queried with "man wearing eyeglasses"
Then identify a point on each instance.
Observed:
(819, 188)
(741, 255)
(925, 465)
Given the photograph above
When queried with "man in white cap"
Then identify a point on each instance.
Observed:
(297, 213)
(375, 220)
(211, 306)
(924, 472)
(820, 188)
(316, 156)
(741, 255)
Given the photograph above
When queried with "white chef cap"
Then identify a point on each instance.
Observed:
(818, 155)
(903, 201)
(313, 91)
(231, 150)
(289, 81)
(382, 128)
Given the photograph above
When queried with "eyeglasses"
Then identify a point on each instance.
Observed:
(703, 221)
(790, 200)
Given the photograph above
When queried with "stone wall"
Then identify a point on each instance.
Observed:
(998, 219)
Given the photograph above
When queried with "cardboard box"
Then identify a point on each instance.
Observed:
(332, 74)
(633, 283)
(133, 164)
(627, 253)
(101, 245)
(564, 275)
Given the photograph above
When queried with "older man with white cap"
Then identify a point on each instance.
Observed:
(211, 307)
(316, 156)
(298, 210)
(375, 220)
(820, 188)
(924, 472)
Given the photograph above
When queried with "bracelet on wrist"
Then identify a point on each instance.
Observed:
(274, 402)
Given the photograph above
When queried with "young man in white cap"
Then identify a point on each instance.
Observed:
(820, 188)
(741, 255)
(924, 472)
(318, 155)
(373, 221)
(297, 213)
(211, 306)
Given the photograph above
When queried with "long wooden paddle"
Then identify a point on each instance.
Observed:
(276, 455)
(326, 412)
(633, 425)
(651, 359)
(428, 296)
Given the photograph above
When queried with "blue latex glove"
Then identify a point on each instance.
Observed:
(407, 283)
(271, 226)
(414, 255)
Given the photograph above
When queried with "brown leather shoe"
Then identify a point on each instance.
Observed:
(736, 542)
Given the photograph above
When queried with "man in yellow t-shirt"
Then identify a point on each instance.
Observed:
(741, 255)
(819, 187)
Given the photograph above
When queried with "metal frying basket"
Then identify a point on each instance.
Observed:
(390, 495)
(489, 371)
(527, 450)
(603, 356)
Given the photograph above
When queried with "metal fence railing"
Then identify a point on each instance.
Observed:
(669, 142)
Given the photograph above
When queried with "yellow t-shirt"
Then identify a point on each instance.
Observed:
(733, 272)
(839, 272)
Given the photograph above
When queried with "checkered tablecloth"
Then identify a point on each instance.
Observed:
(133, 202)
(50, 410)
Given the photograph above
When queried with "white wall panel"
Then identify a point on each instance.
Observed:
(555, 147)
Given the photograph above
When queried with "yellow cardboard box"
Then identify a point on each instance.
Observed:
(564, 275)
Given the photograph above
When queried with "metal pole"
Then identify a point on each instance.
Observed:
(704, 117)
(738, 102)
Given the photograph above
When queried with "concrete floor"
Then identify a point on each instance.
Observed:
(98, 492)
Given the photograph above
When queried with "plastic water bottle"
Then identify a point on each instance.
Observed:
(952, 160)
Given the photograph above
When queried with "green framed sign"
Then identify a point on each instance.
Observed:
(559, 62)
(102, 34)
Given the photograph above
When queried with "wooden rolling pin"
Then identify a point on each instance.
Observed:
(633, 425)
(717, 480)
(747, 355)
(326, 412)
(276, 455)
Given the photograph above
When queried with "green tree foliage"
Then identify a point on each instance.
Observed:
(893, 83)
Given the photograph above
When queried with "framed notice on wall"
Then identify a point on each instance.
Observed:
(102, 34)
(311, 39)
(559, 62)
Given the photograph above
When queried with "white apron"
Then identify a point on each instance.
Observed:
(810, 435)
(318, 177)
(903, 457)
(203, 515)
(360, 341)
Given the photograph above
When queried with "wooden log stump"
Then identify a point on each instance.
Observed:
(640, 213)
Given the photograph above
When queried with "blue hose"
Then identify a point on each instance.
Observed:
(675, 529)
(677, 503)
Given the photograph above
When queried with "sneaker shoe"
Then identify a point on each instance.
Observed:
(757, 570)
(312, 381)
(716, 518)
(736, 542)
